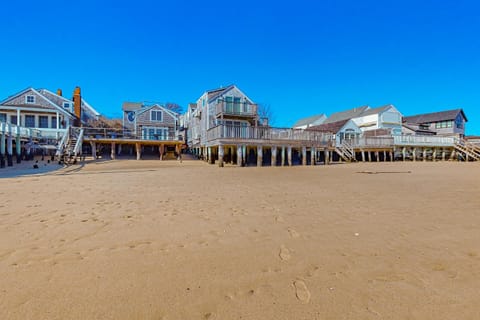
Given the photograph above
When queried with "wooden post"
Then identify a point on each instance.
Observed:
(209, 157)
(443, 154)
(391, 155)
(384, 156)
(274, 156)
(18, 146)
(414, 154)
(119, 149)
(363, 155)
(452, 155)
(377, 156)
(112, 152)
(283, 156)
(289, 155)
(313, 156)
(326, 156)
(220, 155)
(434, 157)
(259, 156)
(9, 150)
(161, 151)
(2, 147)
(244, 154)
(94, 150)
(239, 155)
(404, 151)
(304, 155)
(369, 156)
(138, 149)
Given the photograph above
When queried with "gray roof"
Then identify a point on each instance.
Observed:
(131, 106)
(435, 116)
(332, 127)
(308, 120)
(375, 110)
(346, 115)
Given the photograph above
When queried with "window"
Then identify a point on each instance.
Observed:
(13, 119)
(150, 133)
(3, 117)
(66, 105)
(43, 121)
(459, 122)
(30, 121)
(236, 105)
(156, 115)
(229, 104)
(449, 124)
(29, 99)
(424, 126)
(53, 123)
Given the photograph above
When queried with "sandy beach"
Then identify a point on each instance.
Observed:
(169, 240)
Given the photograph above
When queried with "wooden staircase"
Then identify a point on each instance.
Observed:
(345, 151)
(467, 149)
(70, 147)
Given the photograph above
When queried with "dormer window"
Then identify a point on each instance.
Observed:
(66, 105)
(30, 99)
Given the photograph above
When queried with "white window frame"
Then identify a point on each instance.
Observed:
(156, 119)
(30, 96)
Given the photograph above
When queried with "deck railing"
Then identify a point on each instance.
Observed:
(109, 133)
(372, 142)
(266, 133)
(7, 128)
(408, 140)
(237, 109)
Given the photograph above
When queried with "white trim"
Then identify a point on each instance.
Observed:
(6, 107)
(30, 96)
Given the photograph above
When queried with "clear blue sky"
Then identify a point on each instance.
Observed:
(301, 57)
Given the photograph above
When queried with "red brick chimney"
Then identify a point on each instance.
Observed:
(77, 106)
(59, 92)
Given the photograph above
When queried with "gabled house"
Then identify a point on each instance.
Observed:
(386, 117)
(343, 130)
(150, 122)
(228, 106)
(450, 122)
(43, 109)
(311, 121)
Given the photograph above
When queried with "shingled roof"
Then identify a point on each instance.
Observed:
(332, 127)
(308, 120)
(347, 114)
(434, 117)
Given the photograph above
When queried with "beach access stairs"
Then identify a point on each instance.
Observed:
(468, 149)
(345, 151)
(70, 146)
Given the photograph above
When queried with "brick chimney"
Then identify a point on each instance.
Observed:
(77, 106)
(59, 92)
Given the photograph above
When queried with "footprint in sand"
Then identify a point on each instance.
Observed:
(293, 233)
(284, 253)
(301, 291)
(279, 219)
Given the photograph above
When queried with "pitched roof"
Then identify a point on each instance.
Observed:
(332, 127)
(308, 120)
(212, 94)
(346, 115)
(375, 110)
(434, 116)
(50, 105)
(131, 106)
(170, 112)
(415, 127)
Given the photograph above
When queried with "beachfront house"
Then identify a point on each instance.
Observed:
(444, 123)
(386, 119)
(227, 106)
(311, 121)
(45, 110)
(150, 122)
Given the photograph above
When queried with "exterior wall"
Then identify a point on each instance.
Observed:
(350, 126)
(40, 102)
(453, 130)
(51, 117)
(391, 119)
(143, 119)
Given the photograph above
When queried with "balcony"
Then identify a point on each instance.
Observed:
(237, 109)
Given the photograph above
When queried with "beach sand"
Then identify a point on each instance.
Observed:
(170, 240)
